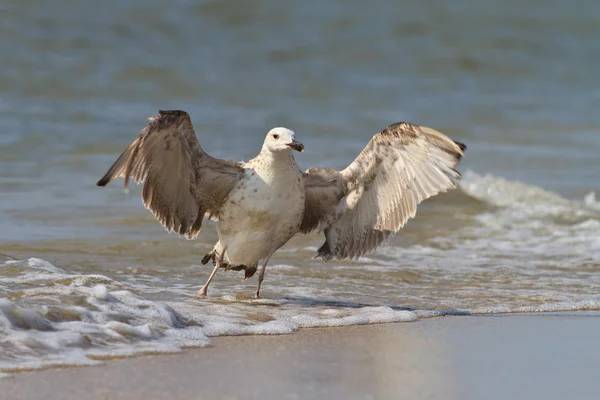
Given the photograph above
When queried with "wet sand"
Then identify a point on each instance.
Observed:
(549, 356)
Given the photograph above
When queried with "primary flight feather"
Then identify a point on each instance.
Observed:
(261, 204)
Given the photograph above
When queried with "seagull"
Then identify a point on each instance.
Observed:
(259, 205)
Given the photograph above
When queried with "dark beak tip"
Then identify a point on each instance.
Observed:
(297, 146)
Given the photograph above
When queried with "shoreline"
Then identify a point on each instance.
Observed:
(451, 357)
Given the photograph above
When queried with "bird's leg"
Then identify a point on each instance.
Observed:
(261, 277)
(202, 292)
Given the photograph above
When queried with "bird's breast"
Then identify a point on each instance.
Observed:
(260, 216)
(261, 204)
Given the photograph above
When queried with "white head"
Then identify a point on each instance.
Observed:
(281, 139)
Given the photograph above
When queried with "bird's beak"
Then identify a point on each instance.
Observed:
(296, 146)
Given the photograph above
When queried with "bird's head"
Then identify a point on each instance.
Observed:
(282, 139)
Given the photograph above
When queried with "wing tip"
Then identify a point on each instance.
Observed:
(460, 145)
(407, 130)
(103, 182)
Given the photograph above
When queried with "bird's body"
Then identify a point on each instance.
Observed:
(260, 205)
(263, 211)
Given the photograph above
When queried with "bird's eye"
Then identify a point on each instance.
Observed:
(275, 136)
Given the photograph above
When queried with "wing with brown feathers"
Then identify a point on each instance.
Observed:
(363, 205)
(182, 182)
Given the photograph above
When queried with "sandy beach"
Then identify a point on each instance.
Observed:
(549, 356)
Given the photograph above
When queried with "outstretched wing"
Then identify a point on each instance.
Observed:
(182, 182)
(360, 207)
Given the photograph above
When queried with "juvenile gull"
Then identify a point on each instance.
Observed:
(261, 204)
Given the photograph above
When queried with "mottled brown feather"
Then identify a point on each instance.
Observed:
(182, 182)
(363, 205)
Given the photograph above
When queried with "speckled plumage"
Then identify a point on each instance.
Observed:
(261, 204)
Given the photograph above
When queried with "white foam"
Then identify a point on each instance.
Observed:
(528, 201)
(361, 316)
(100, 292)
(592, 304)
(590, 201)
(17, 317)
(102, 320)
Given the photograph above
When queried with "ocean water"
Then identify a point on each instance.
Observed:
(86, 273)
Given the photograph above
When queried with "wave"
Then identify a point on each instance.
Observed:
(528, 219)
(71, 319)
(526, 250)
(528, 201)
(64, 319)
